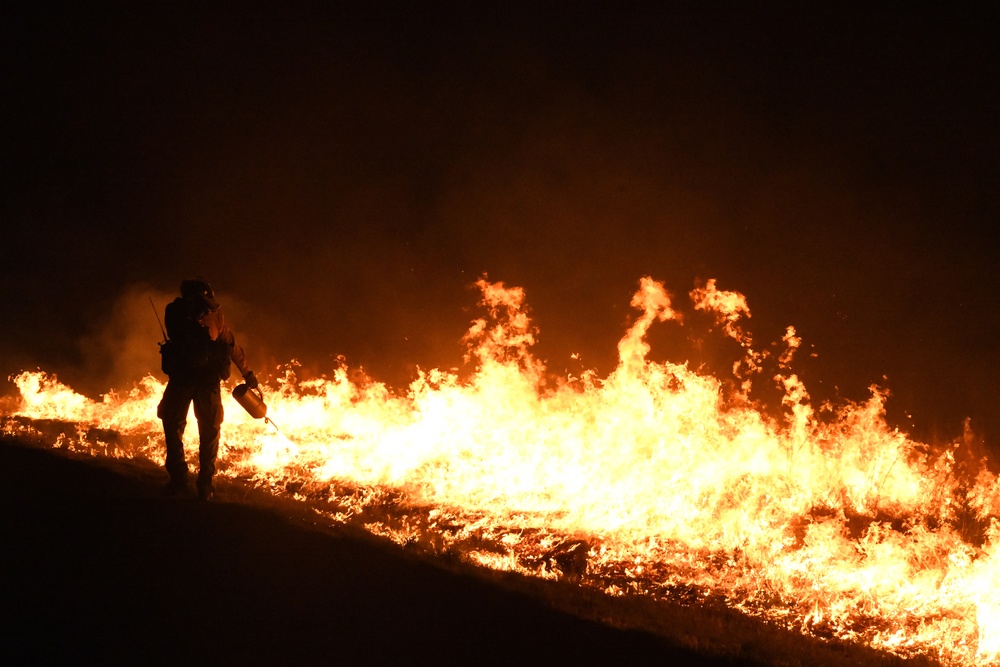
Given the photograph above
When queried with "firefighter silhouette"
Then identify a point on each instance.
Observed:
(196, 358)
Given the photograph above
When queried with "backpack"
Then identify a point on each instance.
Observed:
(190, 351)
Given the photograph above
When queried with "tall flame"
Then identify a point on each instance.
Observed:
(827, 521)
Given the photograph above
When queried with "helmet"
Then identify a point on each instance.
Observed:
(199, 289)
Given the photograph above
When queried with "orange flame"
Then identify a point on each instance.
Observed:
(827, 521)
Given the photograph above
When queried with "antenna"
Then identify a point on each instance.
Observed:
(158, 321)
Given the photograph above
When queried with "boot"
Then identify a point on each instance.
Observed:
(206, 491)
(177, 487)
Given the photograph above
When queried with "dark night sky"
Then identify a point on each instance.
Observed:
(342, 171)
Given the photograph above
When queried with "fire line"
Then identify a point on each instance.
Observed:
(654, 479)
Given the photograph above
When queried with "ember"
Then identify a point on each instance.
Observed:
(656, 480)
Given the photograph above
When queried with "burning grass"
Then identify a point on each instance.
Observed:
(684, 616)
(657, 497)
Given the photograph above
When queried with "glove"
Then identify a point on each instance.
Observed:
(251, 380)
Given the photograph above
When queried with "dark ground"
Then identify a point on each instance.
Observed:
(97, 567)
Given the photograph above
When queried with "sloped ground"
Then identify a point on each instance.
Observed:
(97, 566)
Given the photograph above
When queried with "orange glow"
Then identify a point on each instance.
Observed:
(824, 520)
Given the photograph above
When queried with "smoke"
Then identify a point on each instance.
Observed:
(122, 346)
(342, 183)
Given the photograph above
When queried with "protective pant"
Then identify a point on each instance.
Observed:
(173, 409)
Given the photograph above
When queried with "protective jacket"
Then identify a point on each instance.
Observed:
(201, 345)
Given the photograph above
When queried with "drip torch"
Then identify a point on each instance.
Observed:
(252, 401)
